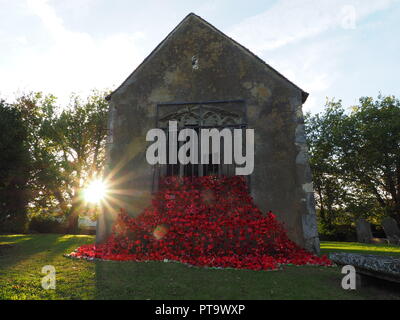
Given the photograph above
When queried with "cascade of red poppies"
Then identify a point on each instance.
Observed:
(203, 221)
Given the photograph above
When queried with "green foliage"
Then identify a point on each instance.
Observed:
(14, 170)
(322, 134)
(370, 151)
(45, 180)
(79, 136)
(355, 160)
(47, 223)
(51, 152)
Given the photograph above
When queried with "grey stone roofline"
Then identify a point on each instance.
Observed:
(304, 94)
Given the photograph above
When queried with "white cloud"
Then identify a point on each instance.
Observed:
(73, 62)
(286, 37)
(312, 66)
(288, 21)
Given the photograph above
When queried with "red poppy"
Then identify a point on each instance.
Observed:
(219, 227)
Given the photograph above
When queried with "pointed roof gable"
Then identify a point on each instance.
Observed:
(186, 20)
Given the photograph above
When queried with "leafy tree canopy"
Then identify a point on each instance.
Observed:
(355, 159)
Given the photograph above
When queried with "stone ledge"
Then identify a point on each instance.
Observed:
(384, 267)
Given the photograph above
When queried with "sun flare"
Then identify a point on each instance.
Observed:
(95, 191)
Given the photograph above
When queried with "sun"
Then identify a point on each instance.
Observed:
(95, 191)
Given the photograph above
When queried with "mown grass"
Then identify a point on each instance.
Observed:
(381, 249)
(22, 260)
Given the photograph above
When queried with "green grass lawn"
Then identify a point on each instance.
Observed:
(22, 260)
(381, 249)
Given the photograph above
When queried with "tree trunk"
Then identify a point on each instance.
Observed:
(73, 217)
(321, 206)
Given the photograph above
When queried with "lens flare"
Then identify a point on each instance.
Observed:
(160, 231)
(95, 191)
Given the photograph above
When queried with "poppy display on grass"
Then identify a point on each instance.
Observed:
(203, 221)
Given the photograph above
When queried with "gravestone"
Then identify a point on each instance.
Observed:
(391, 230)
(200, 77)
(364, 233)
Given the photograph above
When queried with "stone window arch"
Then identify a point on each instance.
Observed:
(199, 115)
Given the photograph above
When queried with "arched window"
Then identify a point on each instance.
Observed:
(199, 115)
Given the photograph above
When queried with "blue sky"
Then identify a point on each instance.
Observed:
(330, 48)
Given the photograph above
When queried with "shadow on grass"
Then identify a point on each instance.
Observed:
(144, 280)
(22, 247)
(169, 280)
(20, 268)
(13, 239)
(20, 276)
(174, 281)
(385, 287)
(25, 247)
(64, 243)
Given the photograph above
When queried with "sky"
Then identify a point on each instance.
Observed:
(342, 49)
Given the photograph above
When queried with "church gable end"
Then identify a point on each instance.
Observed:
(200, 77)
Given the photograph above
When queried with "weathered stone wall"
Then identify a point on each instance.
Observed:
(224, 70)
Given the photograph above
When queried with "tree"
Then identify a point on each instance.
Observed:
(45, 181)
(355, 159)
(322, 131)
(67, 147)
(14, 169)
(78, 137)
(370, 151)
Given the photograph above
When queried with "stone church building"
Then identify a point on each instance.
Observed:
(200, 77)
